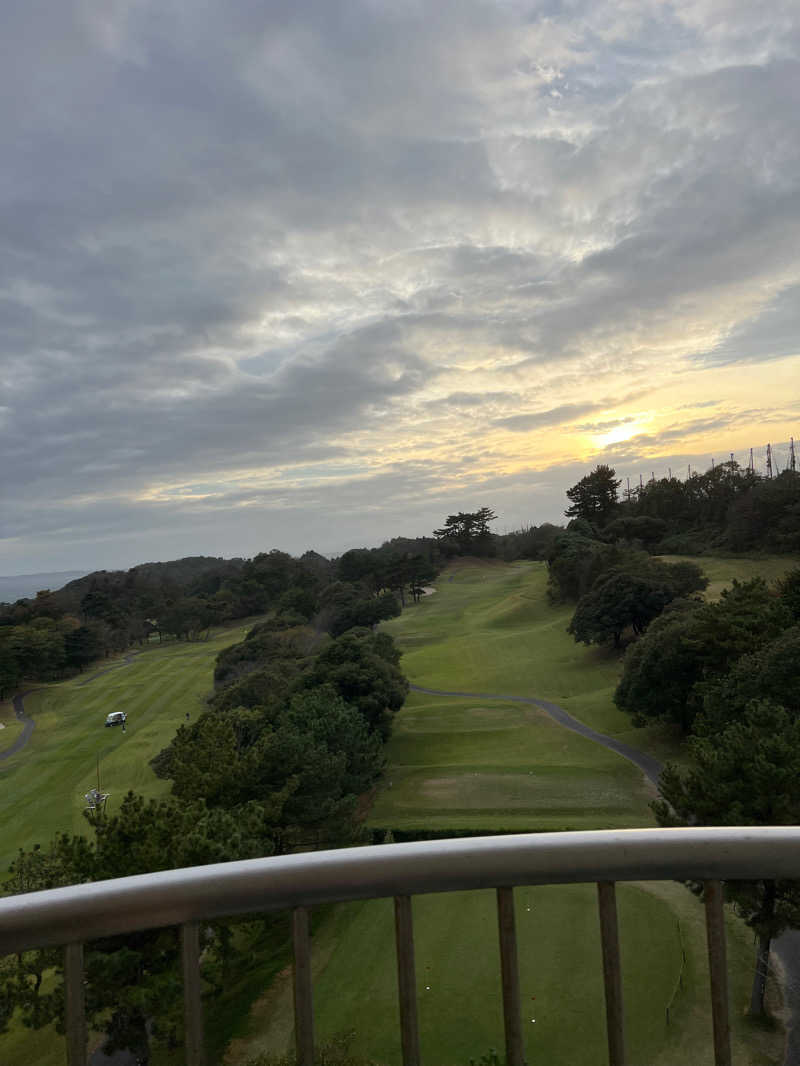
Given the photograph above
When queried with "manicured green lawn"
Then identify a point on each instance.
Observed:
(454, 763)
(11, 727)
(489, 628)
(721, 570)
(47, 780)
(457, 763)
(44, 784)
(458, 986)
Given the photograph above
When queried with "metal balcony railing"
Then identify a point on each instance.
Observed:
(71, 916)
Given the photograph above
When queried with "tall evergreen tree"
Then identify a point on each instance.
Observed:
(748, 774)
(594, 497)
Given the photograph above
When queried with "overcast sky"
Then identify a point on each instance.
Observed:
(313, 273)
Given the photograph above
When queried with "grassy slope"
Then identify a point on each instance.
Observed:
(49, 777)
(721, 570)
(489, 628)
(456, 763)
(466, 764)
(11, 727)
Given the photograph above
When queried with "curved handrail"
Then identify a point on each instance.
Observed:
(173, 897)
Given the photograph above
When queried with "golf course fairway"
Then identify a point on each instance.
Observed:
(457, 763)
(44, 783)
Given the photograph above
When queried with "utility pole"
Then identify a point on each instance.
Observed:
(751, 467)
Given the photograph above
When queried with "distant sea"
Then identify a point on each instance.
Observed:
(25, 586)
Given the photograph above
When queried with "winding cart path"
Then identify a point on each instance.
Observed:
(29, 724)
(786, 946)
(650, 767)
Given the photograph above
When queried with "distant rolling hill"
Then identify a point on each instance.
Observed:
(24, 586)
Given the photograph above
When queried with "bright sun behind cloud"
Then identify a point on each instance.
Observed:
(624, 431)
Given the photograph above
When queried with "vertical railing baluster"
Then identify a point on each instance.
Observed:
(718, 972)
(194, 1047)
(406, 980)
(74, 1005)
(303, 1004)
(612, 972)
(509, 975)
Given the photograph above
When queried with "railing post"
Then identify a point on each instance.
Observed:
(303, 1005)
(718, 972)
(612, 972)
(509, 973)
(194, 1047)
(406, 980)
(74, 1005)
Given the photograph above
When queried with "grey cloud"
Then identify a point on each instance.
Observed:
(555, 416)
(252, 237)
(602, 427)
(772, 334)
(473, 399)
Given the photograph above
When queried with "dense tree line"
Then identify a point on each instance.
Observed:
(618, 587)
(291, 740)
(726, 508)
(728, 673)
(603, 558)
(725, 673)
(59, 633)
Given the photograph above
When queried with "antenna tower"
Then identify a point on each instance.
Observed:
(769, 460)
(792, 462)
(751, 467)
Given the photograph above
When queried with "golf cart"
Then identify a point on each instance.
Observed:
(116, 718)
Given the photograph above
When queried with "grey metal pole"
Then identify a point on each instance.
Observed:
(718, 972)
(194, 1047)
(612, 972)
(406, 980)
(303, 1005)
(74, 1005)
(509, 973)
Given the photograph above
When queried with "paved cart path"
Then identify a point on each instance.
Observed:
(786, 946)
(27, 726)
(114, 666)
(650, 767)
